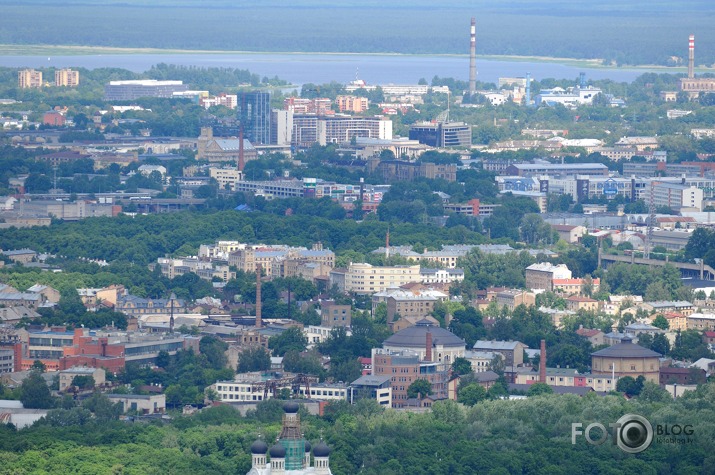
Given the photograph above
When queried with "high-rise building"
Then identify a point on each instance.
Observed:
(67, 78)
(254, 112)
(281, 127)
(29, 78)
(442, 134)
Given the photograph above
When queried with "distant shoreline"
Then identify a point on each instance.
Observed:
(67, 50)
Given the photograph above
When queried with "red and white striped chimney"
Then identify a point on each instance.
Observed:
(691, 57)
(542, 362)
(428, 344)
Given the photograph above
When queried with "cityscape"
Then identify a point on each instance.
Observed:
(214, 269)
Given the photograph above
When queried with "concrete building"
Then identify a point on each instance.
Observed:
(576, 303)
(378, 388)
(67, 376)
(540, 276)
(511, 351)
(29, 79)
(142, 404)
(226, 177)
(333, 315)
(627, 359)
(365, 278)
(677, 196)
(512, 298)
(442, 134)
(66, 78)
(352, 104)
(441, 276)
(134, 89)
(557, 169)
(570, 234)
(408, 303)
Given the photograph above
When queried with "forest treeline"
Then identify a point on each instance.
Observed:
(531, 435)
(635, 33)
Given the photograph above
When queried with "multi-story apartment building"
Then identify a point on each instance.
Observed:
(226, 177)
(318, 105)
(223, 99)
(364, 278)
(404, 368)
(250, 387)
(542, 275)
(408, 303)
(66, 78)
(352, 104)
(677, 196)
(29, 78)
(512, 298)
(309, 129)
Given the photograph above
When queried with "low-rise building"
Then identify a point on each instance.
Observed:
(512, 298)
(627, 359)
(141, 404)
(577, 303)
(378, 388)
(67, 376)
(512, 351)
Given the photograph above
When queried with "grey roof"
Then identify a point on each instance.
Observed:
(626, 349)
(495, 345)
(486, 376)
(370, 380)
(415, 336)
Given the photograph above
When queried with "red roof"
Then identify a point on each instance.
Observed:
(588, 332)
(710, 334)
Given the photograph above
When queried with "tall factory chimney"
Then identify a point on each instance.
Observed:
(473, 57)
(691, 57)
(258, 296)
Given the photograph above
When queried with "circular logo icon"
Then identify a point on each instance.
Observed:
(635, 433)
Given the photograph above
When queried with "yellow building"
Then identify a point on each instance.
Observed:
(627, 359)
(352, 103)
(29, 78)
(67, 78)
(364, 278)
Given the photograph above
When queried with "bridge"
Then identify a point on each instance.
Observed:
(688, 269)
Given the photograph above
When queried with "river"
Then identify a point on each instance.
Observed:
(300, 68)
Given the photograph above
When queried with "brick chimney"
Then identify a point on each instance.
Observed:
(428, 344)
(542, 363)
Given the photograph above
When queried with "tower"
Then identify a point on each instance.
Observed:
(254, 112)
(291, 437)
(172, 297)
(473, 57)
(691, 57)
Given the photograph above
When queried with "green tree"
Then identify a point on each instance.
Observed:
(38, 365)
(290, 340)
(254, 358)
(83, 382)
(538, 389)
(34, 392)
(419, 388)
(661, 322)
(461, 366)
(471, 394)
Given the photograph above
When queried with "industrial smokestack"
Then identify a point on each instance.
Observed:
(542, 362)
(428, 346)
(473, 57)
(691, 57)
(258, 296)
